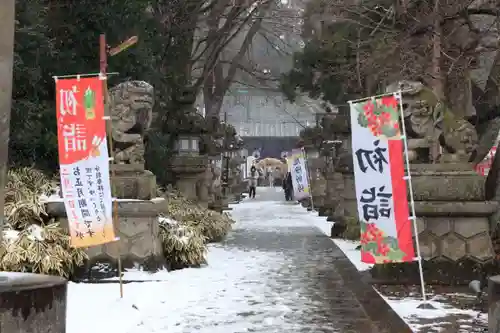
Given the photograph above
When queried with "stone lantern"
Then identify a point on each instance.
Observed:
(244, 156)
(329, 152)
(238, 173)
(188, 166)
(316, 166)
(187, 145)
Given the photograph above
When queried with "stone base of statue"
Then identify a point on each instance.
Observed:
(237, 189)
(32, 303)
(138, 244)
(187, 170)
(216, 205)
(453, 221)
(133, 181)
(225, 204)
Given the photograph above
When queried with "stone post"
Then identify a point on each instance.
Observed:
(494, 304)
(7, 28)
(32, 303)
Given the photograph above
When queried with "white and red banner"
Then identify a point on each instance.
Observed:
(84, 160)
(377, 148)
(483, 167)
(296, 163)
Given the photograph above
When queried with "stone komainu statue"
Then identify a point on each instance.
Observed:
(131, 108)
(427, 117)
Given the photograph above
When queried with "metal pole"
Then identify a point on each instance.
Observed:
(7, 28)
(103, 64)
(377, 96)
(413, 216)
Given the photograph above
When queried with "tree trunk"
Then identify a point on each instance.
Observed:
(437, 75)
(222, 84)
(7, 28)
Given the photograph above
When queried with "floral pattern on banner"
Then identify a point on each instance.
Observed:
(483, 167)
(379, 248)
(380, 116)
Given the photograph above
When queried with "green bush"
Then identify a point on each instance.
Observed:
(32, 242)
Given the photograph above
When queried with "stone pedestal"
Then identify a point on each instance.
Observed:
(188, 170)
(204, 187)
(186, 184)
(32, 303)
(217, 205)
(132, 181)
(318, 182)
(494, 304)
(137, 227)
(453, 226)
(225, 204)
(332, 192)
(348, 195)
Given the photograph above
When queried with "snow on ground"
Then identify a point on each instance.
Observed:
(421, 320)
(230, 295)
(209, 295)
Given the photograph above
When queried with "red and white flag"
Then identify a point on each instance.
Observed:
(84, 160)
(377, 146)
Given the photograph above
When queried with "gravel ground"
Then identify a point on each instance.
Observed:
(468, 314)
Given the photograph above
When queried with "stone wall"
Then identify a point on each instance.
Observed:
(453, 221)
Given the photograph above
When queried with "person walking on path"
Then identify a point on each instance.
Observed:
(277, 177)
(269, 176)
(288, 187)
(254, 177)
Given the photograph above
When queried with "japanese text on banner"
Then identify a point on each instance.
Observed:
(298, 170)
(377, 148)
(84, 161)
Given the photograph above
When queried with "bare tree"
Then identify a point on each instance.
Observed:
(215, 74)
(437, 41)
(7, 27)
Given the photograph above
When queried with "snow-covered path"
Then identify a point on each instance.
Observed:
(274, 273)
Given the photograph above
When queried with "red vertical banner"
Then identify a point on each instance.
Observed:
(84, 160)
(381, 189)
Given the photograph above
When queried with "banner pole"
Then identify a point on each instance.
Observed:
(308, 177)
(377, 96)
(425, 304)
(103, 64)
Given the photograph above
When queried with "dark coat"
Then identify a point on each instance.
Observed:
(287, 184)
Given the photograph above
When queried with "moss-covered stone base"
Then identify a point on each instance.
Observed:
(436, 271)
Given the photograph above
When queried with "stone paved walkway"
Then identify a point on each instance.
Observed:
(275, 273)
(307, 277)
